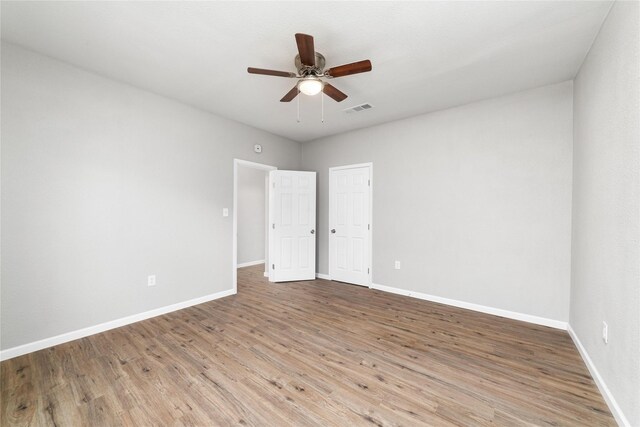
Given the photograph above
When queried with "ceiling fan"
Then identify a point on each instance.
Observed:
(310, 65)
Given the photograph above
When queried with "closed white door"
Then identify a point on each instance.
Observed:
(349, 224)
(292, 231)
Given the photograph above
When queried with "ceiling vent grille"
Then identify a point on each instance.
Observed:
(358, 108)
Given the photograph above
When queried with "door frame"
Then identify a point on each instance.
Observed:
(354, 166)
(266, 168)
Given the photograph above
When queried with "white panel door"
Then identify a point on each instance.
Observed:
(349, 224)
(292, 230)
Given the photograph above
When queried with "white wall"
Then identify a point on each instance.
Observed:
(251, 214)
(474, 201)
(605, 283)
(104, 184)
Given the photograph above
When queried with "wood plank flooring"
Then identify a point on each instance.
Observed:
(307, 354)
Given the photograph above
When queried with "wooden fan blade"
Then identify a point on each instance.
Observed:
(334, 93)
(306, 49)
(348, 69)
(290, 95)
(252, 70)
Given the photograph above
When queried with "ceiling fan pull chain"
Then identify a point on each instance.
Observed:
(298, 102)
(322, 102)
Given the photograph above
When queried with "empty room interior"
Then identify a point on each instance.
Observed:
(320, 213)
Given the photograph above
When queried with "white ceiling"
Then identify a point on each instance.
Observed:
(426, 55)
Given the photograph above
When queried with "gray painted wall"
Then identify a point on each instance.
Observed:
(474, 201)
(104, 184)
(251, 214)
(605, 283)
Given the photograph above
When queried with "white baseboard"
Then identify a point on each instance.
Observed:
(323, 276)
(265, 274)
(602, 386)
(91, 330)
(250, 263)
(558, 324)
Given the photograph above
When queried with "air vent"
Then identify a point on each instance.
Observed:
(358, 108)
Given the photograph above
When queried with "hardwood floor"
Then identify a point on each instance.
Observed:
(307, 353)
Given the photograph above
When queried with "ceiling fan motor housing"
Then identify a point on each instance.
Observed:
(305, 70)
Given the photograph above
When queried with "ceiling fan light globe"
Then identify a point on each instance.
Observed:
(310, 86)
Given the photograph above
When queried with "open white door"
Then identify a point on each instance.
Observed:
(292, 231)
(350, 224)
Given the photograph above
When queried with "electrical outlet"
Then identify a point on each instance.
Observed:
(225, 212)
(151, 280)
(605, 332)
(397, 265)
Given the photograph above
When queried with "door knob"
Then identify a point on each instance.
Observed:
(333, 231)
(313, 231)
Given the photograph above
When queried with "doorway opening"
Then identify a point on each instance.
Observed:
(250, 216)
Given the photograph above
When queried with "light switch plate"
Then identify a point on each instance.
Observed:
(225, 211)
